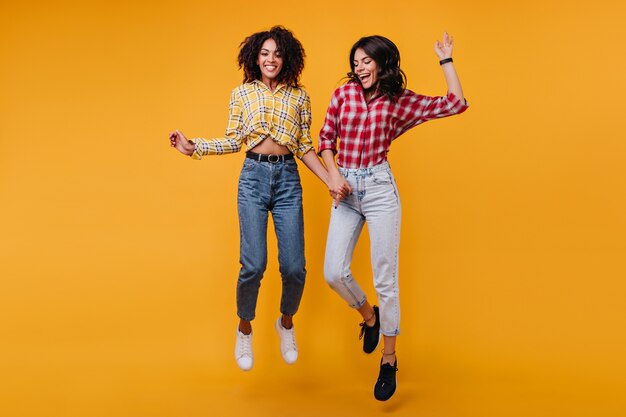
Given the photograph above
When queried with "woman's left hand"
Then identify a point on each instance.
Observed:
(444, 49)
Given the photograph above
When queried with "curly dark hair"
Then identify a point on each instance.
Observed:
(391, 79)
(289, 47)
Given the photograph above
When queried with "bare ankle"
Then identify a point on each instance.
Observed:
(389, 358)
(371, 319)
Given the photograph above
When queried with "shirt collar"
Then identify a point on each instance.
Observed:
(359, 87)
(260, 84)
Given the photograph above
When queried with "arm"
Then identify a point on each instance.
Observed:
(313, 163)
(414, 109)
(328, 156)
(337, 184)
(305, 146)
(230, 143)
(443, 51)
(305, 143)
(330, 129)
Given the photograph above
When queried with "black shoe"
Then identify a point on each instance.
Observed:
(370, 335)
(386, 384)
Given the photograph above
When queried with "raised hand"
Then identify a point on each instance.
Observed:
(444, 49)
(180, 142)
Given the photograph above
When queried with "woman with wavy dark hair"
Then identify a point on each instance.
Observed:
(365, 115)
(269, 114)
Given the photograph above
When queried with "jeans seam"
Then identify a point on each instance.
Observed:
(392, 305)
(357, 303)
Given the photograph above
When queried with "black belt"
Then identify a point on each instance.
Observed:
(269, 158)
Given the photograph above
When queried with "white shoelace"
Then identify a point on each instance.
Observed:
(244, 346)
(289, 343)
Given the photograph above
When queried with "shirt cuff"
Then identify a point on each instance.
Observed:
(196, 154)
(301, 151)
(325, 146)
(456, 105)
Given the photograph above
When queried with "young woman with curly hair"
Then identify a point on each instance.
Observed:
(269, 114)
(366, 115)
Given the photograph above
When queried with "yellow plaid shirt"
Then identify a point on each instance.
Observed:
(255, 113)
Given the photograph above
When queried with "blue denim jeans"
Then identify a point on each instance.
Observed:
(374, 200)
(266, 187)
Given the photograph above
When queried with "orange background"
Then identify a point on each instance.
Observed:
(118, 256)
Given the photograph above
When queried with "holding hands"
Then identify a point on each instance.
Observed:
(338, 187)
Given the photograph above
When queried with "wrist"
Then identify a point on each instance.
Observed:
(444, 61)
(334, 174)
(191, 147)
(325, 177)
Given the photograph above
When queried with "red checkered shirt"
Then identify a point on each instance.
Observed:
(367, 129)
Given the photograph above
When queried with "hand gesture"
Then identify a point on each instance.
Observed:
(444, 50)
(180, 142)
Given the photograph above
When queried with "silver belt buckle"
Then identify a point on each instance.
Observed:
(273, 161)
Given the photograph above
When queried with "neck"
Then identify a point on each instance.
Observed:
(271, 84)
(370, 92)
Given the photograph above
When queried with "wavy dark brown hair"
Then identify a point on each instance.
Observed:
(287, 45)
(391, 79)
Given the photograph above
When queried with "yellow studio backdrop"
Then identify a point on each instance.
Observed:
(119, 256)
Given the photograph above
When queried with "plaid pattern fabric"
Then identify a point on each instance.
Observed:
(366, 130)
(255, 113)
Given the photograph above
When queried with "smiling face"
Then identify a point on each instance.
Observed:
(270, 62)
(365, 68)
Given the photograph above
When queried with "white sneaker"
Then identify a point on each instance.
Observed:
(288, 347)
(243, 351)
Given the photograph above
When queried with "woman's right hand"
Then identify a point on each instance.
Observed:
(180, 142)
(338, 187)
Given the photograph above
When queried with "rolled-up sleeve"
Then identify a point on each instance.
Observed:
(329, 131)
(414, 109)
(305, 142)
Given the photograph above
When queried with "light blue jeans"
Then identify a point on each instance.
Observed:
(374, 200)
(266, 187)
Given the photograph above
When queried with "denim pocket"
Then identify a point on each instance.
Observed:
(381, 178)
(291, 166)
(248, 165)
